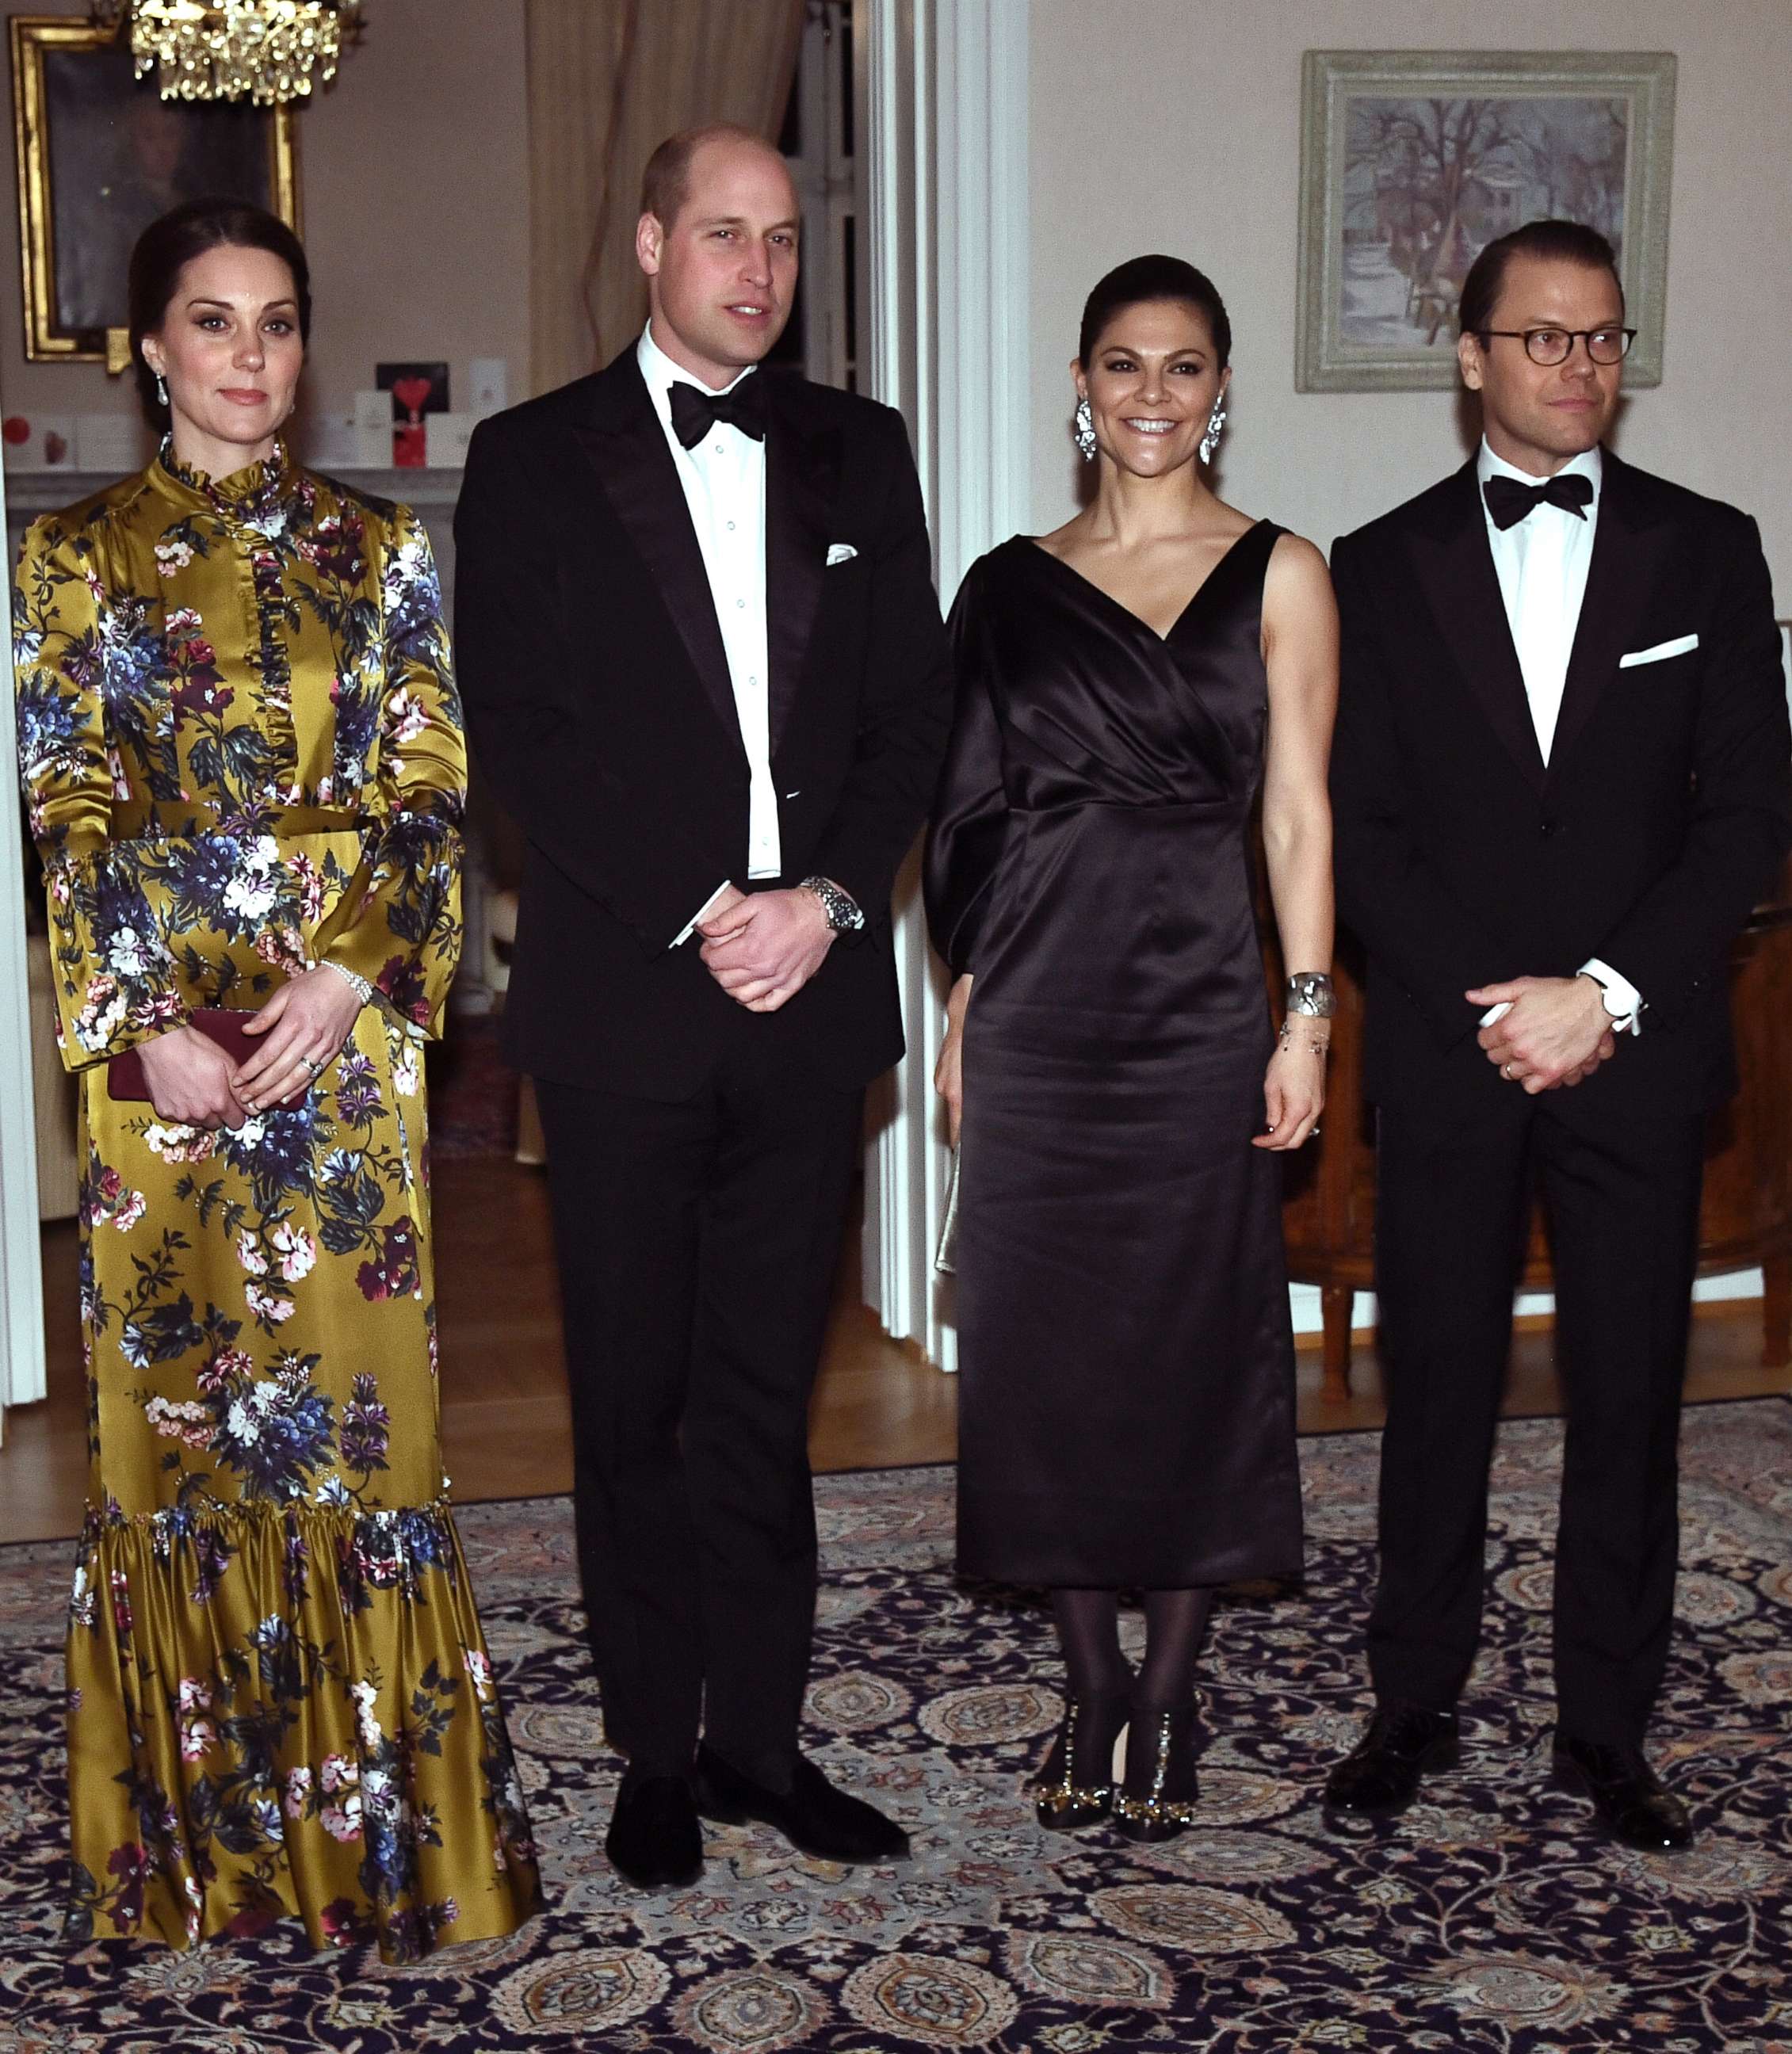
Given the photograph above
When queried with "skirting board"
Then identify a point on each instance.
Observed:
(1304, 1299)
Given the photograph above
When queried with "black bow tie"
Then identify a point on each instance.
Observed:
(1508, 502)
(694, 411)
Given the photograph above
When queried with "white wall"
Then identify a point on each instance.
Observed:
(1175, 125)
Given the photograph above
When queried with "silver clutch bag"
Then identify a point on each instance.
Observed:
(945, 1259)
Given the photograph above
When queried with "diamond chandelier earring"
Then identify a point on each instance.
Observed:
(1085, 430)
(1216, 427)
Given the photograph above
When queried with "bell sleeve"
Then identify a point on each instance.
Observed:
(405, 935)
(114, 974)
(969, 823)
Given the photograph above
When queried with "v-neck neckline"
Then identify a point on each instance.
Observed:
(1119, 606)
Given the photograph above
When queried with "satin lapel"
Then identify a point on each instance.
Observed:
(1455, 571)
(1628, 549)
(628, 451)
(802, 475)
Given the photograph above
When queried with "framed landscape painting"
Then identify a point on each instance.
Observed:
(1412, 161)
(100, 154)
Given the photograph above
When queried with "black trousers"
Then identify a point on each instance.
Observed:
(697, 1243)
(1451, 1201)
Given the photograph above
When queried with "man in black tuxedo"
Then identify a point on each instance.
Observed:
(1561, 780)
(704, 669)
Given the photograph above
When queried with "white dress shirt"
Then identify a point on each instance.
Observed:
(724, 483)
(1542, 562)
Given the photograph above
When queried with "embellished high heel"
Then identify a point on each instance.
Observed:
(1156, 1798)
(1076, 1787)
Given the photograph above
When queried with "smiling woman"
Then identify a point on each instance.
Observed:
(1127, 685)
(243, 756)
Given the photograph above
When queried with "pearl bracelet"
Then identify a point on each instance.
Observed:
(363, 990)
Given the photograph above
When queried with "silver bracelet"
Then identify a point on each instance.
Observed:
(363, 990)
(1310, 994)
(1309, 1041)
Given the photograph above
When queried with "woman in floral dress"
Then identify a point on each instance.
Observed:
(242, 755)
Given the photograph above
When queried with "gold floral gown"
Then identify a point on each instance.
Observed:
(243, 754)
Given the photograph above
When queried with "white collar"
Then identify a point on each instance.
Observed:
(1589, 464)
(662, 373)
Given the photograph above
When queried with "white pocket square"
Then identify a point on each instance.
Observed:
(1660, 653)
(840, 552)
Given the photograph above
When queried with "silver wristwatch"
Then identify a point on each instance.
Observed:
(845, 916)
(1310, 994)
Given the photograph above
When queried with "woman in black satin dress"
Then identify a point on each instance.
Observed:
(1126, 686)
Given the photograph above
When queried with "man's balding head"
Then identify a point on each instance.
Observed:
(666, 181)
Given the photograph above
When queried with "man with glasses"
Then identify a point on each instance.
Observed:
(1561, 780)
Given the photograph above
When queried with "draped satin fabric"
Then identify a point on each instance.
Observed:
(1126, 1410)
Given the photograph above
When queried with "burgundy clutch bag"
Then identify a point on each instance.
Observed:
(228, 1028)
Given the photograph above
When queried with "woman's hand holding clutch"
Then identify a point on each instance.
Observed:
(189, 1079)
(306, 1024)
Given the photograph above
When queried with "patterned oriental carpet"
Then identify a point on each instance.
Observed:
(1491, 1917)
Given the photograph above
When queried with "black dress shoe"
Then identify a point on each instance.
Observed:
(813, 1816)
(1627, 1794)
(1075, 1787)
(654, 1839)
(1157, 1800)
(1381, 1774)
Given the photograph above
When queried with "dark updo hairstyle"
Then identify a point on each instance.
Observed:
(1142, 279)
(1561, 241)
(170, 244)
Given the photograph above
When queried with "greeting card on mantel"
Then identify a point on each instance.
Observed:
(416, 390)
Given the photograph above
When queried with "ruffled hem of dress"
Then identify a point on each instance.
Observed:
(280, 1711)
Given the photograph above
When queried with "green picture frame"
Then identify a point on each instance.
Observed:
(1412, 160)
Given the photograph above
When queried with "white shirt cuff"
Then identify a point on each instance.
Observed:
(698, 917)
(1623, 1001)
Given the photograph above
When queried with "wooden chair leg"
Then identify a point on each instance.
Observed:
(1776, 1311)
(1336, 1301)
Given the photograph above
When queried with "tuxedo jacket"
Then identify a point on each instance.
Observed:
(1659, 821)
(600, 710)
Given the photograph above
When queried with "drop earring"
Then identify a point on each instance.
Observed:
(161, 388)
(1085, 430)
(1216, 426)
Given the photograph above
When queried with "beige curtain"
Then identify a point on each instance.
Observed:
(608, 79)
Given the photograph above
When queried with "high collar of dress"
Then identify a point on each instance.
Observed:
(245, 495)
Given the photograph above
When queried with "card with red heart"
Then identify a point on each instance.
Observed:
(418, 389)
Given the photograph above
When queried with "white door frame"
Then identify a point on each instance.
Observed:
(944, 145)
(21, 1291)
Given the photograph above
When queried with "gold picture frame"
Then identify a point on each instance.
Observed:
(101, 153)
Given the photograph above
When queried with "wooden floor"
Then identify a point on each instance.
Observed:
(505, 1420)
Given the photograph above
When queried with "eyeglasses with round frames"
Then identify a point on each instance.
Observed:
(1549, 346)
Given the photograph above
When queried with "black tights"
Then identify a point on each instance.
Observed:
(1175, 1624)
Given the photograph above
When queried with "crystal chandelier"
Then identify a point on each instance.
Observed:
(263, 50)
